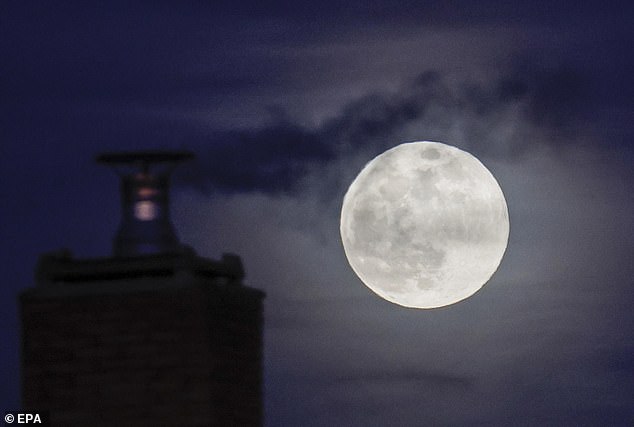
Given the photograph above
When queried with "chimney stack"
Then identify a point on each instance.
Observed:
(154, 335)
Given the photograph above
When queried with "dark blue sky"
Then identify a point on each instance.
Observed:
(283, 102)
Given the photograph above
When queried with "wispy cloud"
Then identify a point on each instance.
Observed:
(503, 118)
(421, 377)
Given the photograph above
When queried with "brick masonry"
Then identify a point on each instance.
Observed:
(186, 353)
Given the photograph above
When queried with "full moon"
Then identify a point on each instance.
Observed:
(424, 225)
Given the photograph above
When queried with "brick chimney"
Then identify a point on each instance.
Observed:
(154, 335)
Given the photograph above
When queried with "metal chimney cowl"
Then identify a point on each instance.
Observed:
(145, 227)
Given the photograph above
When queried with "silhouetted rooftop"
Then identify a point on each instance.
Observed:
(59, 273)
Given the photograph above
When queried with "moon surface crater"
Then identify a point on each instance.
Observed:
(424, 225)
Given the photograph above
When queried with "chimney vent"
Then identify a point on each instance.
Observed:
(145, 227)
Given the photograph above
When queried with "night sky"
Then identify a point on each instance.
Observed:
(283, 103)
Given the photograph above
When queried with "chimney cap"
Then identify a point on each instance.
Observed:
(145, 226)
(152, 156)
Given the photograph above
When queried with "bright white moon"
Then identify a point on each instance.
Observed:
(424, 225)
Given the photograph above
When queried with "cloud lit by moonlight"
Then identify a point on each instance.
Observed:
(424, 225)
